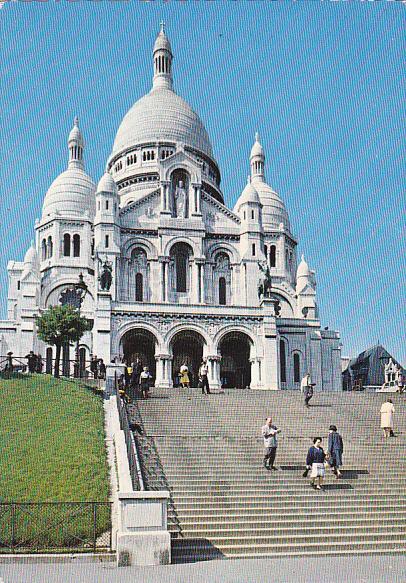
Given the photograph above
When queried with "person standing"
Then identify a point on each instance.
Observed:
(94, 366)
(101, 369)
(204, 377)
(315, 461)
(39, 365)
(32, 361)
(269, 433)
(335, 450)
(145, 382)
(184, 376)
(135, 375)
(387, 411)
(306, 387)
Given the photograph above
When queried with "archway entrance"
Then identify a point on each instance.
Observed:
(235, 366)
(187, 348)
(139, 343)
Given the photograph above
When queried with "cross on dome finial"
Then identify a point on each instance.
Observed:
(76, 121)
(162, 24)
(256, 136)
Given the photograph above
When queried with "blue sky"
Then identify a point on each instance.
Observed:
(320, 81)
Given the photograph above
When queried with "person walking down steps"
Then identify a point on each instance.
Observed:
(269, 433)
(204, 377)
(315, 462)
(306, 386)
(335, 450)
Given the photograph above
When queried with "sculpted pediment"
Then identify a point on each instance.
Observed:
(217, 216)
(142, 213)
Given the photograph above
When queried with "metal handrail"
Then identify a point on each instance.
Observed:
(132, 450)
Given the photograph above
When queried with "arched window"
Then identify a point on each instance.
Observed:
(180, 255)
(266, 252)
(50, 247)
(272, 256)
(222, 278)
(76, 245)
(282, 360)
(296, 368)
(44, 249)
(66, 245)
(222, 291)
(139, 296)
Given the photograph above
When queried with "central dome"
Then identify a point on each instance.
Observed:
(162, 116)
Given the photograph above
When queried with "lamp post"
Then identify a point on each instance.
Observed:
(80, 290)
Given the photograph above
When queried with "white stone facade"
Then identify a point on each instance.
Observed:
(185, 268)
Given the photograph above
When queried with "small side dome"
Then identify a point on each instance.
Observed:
(71, 193)
(248, 195)
(30, 260)
(31, 256)
(303, 270)
(107, 184)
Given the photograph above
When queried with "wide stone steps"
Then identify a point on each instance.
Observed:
(308, 521)
(208, 452)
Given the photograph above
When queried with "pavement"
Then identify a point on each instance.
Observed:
(352, 569)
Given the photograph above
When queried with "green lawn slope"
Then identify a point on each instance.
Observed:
(51, 441)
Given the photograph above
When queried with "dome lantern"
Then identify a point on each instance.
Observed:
(163, 56)
(257, 161)
(76, 146)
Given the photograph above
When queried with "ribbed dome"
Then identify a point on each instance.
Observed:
(162, 115)
(273, 208)
(249, 194)
(71, 193)
(106, 184)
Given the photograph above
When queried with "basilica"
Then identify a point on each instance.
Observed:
(171, 274)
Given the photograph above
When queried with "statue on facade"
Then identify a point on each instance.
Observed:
(180, 201)
(265, 284)
(106, 275)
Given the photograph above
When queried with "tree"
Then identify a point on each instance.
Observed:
(59, 325)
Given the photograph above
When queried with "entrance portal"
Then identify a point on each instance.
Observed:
(235, 366)
(187, 348)
(140, 344)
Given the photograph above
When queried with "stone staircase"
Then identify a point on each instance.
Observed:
(207, 451)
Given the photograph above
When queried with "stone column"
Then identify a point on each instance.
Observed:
(164, 261)
(213, 362)
(165, 206)
(195, 208)
(163, 369)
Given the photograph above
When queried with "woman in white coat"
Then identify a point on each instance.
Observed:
(387, 411)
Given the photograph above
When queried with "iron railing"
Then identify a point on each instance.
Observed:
(49, 527)
(132, 452)
(67, 368)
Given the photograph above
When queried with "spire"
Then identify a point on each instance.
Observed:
(257, 160)
(162, 55)
(76, 145)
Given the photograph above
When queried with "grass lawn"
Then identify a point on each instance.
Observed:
(51, 441)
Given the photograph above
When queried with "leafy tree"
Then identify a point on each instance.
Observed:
(59, 325)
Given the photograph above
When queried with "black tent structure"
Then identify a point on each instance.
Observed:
(367, 369)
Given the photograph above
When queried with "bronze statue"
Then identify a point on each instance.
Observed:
(106, 276)
(264, 285)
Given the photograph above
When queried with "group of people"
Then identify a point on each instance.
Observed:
(97, 367)
(135, 378)
(316, 459)
(34, 362)
(203, 383)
